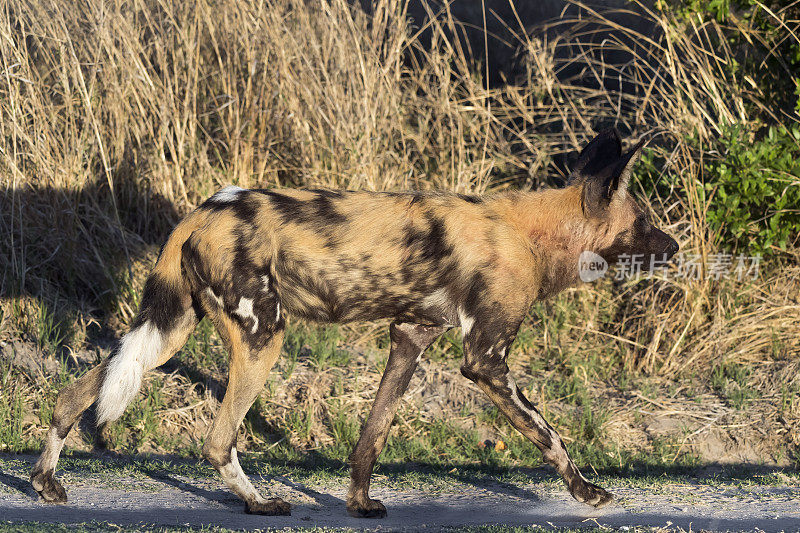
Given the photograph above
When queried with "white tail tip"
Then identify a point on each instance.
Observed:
(138, 352)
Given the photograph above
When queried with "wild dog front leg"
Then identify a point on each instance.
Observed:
(409, 341)
(485, 364)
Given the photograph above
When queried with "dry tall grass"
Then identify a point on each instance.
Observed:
(117, 117)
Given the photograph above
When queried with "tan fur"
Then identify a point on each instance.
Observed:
(426, 261)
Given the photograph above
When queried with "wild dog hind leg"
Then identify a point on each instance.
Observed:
(248, 373)
(409, 341)
(254, 343)
(70, 405)
(485, 364)
(144, 339)
(165, 320)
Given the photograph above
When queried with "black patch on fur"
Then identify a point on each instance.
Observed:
(193, 267)
(480, 366)
(430, 244)
(245, 208)
(328, 193)
(643, 239)
(286, 206)
(476, 291)
(524, 400)
(198, 308)
(428, 263)
(296, 273)
(470, 373)
(436, 247)
(62, 430)
(246, 281)
(323, 208)
(471, 198)
(161, 304)
(619, 246)
(602, 152)
(320, 212)
(242, 268)
(214, 206)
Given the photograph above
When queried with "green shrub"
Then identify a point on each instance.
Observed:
(753, 190)
(749, 190)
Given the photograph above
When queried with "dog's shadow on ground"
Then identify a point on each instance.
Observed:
(18, 484)
(220, 495)
(169, 470)
(512, 503)
(160, 468)
(73, 252)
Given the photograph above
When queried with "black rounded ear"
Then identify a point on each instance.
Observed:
(604, 150)
(609, 183)
(620, 177)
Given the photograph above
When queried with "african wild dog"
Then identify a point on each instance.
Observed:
(427, 261)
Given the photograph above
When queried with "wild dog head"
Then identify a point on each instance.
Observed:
(615, 223)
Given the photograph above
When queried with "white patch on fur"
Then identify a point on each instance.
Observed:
(466, 322)
(49, 459)
(419, 357)
(245, 311)
(539, 421)
(277, 312)
(214, 296)
(237, 481)
(438, 299)
(537, 418)
(52, 450)
(138, 352)
(265, 279)
(228, 194)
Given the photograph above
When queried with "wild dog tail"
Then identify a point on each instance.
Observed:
(160, 326)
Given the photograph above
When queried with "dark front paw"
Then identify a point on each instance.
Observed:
(366, 509)
(271, 507)
(48, 487)
(593, 495)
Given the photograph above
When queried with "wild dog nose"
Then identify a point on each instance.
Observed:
(672, 247)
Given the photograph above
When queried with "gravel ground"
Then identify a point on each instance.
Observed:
(706, 504)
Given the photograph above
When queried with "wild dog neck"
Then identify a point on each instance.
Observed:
(558, 232)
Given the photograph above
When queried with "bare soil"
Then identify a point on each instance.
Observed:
(176, 500)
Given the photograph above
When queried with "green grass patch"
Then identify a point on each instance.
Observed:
(730, 380)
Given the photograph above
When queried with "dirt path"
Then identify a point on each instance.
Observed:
(178, 500)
